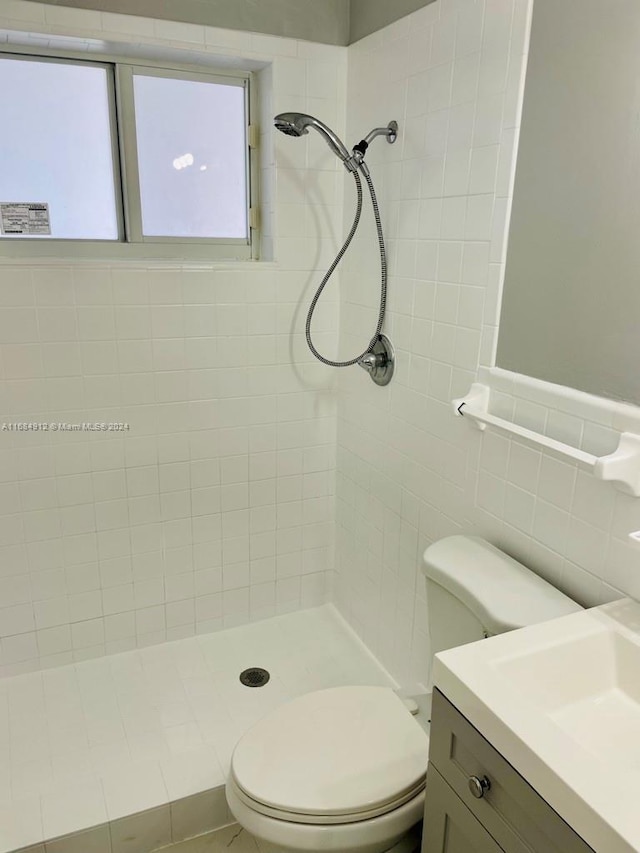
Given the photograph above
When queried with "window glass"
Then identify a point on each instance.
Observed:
(55, 146)
(191, 157)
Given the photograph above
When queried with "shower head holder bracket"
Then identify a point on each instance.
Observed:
(390, 132)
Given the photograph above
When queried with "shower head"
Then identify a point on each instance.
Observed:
(297, 124)
(291, 123)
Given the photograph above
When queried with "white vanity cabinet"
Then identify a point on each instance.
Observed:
(477, 803)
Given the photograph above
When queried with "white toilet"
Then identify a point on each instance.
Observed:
(344, 769)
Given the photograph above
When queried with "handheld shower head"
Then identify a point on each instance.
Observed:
(297, 124)
(293, 124)
(290, 123)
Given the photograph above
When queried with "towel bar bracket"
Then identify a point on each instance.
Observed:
(622, 467)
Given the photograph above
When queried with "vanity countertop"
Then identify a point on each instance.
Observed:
(561, 701)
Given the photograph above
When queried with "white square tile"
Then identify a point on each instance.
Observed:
(19, 648)
(192, 773)
(141, 832)
(87, 634)
(70, 809)
(134, 788)
(21, 823)
(96, 840)
(197, 814)
(18, 619)
(550, 525)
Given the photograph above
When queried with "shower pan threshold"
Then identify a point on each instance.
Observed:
(130, 752)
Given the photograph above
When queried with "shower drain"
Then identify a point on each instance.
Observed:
(255, 676)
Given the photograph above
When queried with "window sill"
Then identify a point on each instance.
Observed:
(89, 252)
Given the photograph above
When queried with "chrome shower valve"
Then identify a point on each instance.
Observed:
(380, 361)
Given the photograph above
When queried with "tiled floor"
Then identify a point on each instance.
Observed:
(234, 839)
(94, 742)
(231, 839)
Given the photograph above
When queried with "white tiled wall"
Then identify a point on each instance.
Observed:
(216, 507)
(410, 472)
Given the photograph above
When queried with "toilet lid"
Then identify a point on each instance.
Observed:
(340, 751)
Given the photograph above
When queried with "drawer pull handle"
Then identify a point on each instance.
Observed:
(479, 787)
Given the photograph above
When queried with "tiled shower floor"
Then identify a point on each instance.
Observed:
(151, 730)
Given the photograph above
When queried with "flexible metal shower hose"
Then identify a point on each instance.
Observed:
(339, 256)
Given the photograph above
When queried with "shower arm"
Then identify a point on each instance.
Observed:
(390, 131)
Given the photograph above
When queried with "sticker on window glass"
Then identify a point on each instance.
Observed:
(24, 218)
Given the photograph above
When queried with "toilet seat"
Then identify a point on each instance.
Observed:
(377, 835)
(319, 819)
(333, 756)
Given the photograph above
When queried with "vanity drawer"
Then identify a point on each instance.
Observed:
(510, 809)
(449, 826)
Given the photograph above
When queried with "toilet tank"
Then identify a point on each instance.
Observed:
(475, 590)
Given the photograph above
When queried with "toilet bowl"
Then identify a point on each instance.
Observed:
(343, 769)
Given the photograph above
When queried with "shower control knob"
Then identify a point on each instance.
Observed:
(479, 787)
(379, 362)
(371, 361)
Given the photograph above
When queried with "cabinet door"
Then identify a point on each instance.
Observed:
(449, 826)
(513, 813)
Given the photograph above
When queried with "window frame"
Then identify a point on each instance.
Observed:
(131, 244)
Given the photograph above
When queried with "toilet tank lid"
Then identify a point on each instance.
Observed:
(500, 592)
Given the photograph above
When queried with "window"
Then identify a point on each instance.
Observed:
(123, 160)
(55, 147)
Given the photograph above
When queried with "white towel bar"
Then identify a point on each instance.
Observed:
(622, 467)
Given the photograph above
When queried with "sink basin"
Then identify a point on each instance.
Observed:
(561, 701)
(590, 688)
